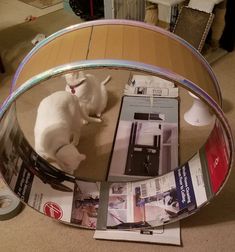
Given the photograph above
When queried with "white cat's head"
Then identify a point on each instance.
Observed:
(73, 79)
(69, 158)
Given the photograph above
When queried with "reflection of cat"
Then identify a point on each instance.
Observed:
(91, 93)
(57, 129)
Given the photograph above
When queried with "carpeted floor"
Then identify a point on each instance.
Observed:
(212, 229)
(41, 4)
(15, 41)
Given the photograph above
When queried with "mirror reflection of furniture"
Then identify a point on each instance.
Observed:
(165, 11)
(198, 114)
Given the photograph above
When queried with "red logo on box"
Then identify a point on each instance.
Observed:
(217, 158)
(53, 210)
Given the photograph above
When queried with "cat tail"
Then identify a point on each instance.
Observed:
(104, 82)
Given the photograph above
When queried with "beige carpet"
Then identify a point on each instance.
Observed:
(41, 4)
(15, 41)
(211, 229)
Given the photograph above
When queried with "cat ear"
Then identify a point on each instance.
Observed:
(80, 81)
(81, 75)
(68, 77)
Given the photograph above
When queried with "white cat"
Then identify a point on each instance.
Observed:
(92, 94)
(57, 129)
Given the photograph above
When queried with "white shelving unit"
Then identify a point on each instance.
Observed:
(124, 9)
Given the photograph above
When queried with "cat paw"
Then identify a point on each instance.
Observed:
(75, 142)
(82, 157)
(84, 122)
(97, 120)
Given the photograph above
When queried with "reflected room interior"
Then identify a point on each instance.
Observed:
(97, 138)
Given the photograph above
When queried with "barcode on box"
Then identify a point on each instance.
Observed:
(144, 192)
(199, 179)
(157, 185)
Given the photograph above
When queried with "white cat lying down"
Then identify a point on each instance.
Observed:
(57, 129)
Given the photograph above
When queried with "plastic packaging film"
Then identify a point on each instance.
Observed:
(64, 197)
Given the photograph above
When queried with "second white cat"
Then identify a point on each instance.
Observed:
(92, 94)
